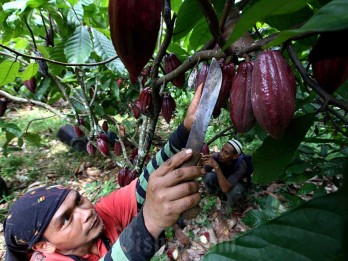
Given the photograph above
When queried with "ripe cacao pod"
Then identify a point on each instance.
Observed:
(105, 126)
(122, 174)
(202, 76)
(131, 175)
(272, 92)
(3, 106)
(171, 62)
(91, 149)
(145, 101)
(205, 149)
(103, 144)
(168, 107)
(136, 109)
(134, 27)
(329, 59)
(78, 131)
(117, 148)
(43, 68)
(119, 81)
(228, 72)
(30, 84)
(241, 110)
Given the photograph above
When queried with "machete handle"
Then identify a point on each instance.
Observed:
(193, 161)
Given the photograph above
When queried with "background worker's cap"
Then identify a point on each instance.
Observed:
(236, 145)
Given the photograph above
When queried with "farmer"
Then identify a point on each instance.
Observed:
(58, 223)
(228, 171)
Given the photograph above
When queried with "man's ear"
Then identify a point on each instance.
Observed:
(44, 247)
(235, 156)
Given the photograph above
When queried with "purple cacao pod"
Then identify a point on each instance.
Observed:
(134, 27)
(30, 84)
(241, 110)
(3, 106)
(205, 149)
(202, 76)
(329, 59)
(103, 146)
(78, 131)
(91, 149)
(228, 72)
(171, 62)
(117, 148)
(131, 175)
(168, 107)
(122, 174)
(146, 101)
(105, 126)
(272, 93)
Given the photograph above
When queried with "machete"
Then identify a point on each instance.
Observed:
(205, 109)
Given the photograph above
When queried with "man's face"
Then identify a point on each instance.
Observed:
(227, 154)
(75, 225)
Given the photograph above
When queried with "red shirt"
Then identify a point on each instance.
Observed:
(116, 210)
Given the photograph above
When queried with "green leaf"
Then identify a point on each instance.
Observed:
(254, 218)
(79, 46)
(11, 128)
(306, 189)
(57, 54)
(200, 34)
(175, 5)
(273, 156)
(75, 15)
(187, 18)
(335, 15)
(8, 72)
(105, 49)
(33, 138)
(30, 71)
(261, 9)
(312, 231)
(334, 167)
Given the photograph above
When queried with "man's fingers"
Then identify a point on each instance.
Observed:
(180, 205)
(182, 175)
(173, 162)
(179, 191)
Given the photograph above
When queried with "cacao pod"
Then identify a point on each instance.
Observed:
(228, 72)
(329, 59)
(136, 109)
(119, 82)
(43, 68)
(3, 106)
(78, 131)
(134, 155)
(168, 107)
(91, 149)
(205, 149)
(134, 27)
(272, 92)
(122, 174)
(241, 110)
(103, 144)
(49, 37)
(30, 84)
(105, 126)
(171, 62)
(131, 175)
(122, 131)
(145, 101)
(117, 148)
(202, 76)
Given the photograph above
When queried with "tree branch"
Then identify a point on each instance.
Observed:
(57, 62)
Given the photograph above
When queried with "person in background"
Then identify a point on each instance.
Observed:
(228, 171)
(58, 223)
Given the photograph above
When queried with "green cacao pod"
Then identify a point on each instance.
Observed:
(241, 110)
(228, 72)
(329, 59)
(273, 92)
(134, 26)
(171, 62)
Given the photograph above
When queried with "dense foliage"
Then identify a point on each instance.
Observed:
(65, 45)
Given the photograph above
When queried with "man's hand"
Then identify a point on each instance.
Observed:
(170, 192)
(191, 111)
(209, 161)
